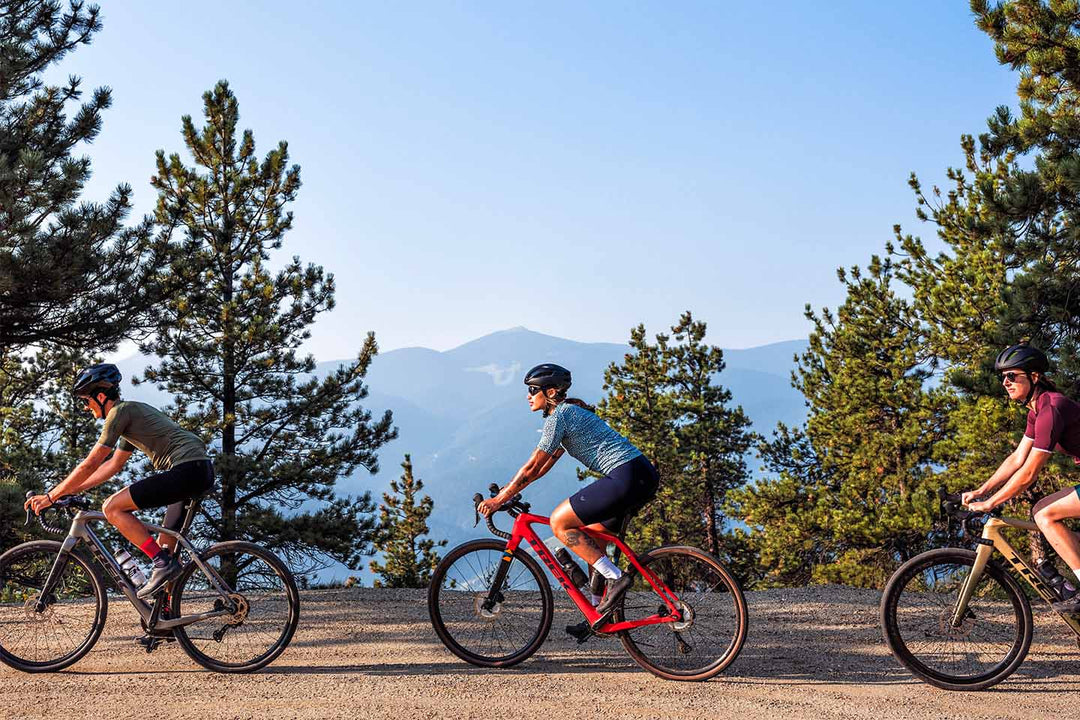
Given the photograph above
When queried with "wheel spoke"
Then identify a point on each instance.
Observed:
(71, 621)
(714, 620)
(919, 606)
(483, 627)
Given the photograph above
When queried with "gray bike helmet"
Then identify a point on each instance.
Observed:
(549, 375)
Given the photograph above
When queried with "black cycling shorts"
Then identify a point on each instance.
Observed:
(617, 495)
(174, 488)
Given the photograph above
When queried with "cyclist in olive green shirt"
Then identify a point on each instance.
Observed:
(184, 470)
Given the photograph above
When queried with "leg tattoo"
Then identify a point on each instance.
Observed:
(576, 537)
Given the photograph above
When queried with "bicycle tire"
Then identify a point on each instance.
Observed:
(275, 577)
(996, 586)
(81, 583)
(456, 611)
(702, 583)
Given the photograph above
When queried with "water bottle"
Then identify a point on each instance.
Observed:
(577, 575)
(1056, 580)
(131, 568)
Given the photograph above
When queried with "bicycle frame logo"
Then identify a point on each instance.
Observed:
(523, 530)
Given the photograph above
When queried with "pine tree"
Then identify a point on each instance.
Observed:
(281, 436)
(70, 272)
(638, 405)
(665, 400)
(712, 437)
(407, 560)
(46, 432)
(854, 494)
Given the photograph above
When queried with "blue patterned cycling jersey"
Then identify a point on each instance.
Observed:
(587, 438)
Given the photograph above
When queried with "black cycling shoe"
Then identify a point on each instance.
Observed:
(1068, 607)
(580, 631)
(150, 643)
(162, 575)
(615, 590)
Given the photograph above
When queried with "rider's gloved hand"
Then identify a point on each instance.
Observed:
(37, 503)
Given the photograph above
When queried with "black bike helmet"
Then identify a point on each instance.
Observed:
(547, 376)
(102, 377)
(1022, 357)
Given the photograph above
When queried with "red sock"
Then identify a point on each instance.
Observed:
(151, 548)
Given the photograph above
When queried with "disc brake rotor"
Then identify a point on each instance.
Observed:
(946, 629)
(32, 614)
(687, 621)
(483, 612)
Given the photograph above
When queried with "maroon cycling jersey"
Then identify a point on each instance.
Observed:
(1054, 424)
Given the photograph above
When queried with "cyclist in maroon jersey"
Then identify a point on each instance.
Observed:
(1053, 423)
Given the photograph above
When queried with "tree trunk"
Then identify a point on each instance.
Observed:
(710, 511)
(228, 409)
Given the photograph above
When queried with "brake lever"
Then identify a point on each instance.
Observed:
(29, 494)
(476, 500)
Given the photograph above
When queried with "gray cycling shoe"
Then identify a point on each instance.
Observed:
(1068, 607)
(162, 575)
(615, 590)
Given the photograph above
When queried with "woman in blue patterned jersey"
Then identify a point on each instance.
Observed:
(629, 479)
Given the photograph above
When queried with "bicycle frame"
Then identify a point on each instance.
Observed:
(523, 530)
(993, 539)
(80, 532)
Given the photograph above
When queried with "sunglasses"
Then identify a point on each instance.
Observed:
(1011, 376)
(533, 389)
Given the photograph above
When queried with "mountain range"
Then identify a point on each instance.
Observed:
(462, 416)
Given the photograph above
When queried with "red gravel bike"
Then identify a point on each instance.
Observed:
(684, 617)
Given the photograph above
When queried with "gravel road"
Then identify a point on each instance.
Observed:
(363, 653)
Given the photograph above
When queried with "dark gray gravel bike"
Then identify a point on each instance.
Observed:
(234, 608)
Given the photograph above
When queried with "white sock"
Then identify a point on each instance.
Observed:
(608, 569)
(1076, 572)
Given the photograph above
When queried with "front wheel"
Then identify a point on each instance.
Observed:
(714, 621)
(486, 626)
(48, 633)
(917, 611)
(264, 607)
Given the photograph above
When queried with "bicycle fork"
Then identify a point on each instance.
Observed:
(57, 569)
(982, 556)
(495, 596)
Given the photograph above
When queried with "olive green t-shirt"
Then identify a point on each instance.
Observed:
(142, 426)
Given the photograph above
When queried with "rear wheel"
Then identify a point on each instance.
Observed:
(45, 634)
(916, 617)
(490, 634)
(714, 618)
(264, 601)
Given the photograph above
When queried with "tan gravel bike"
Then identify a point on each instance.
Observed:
(233, 608)
(957, 618)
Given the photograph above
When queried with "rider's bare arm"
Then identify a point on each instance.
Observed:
(1022, 478)
(107, 469)
(91, 472)
(535, 467)
(1009, 467)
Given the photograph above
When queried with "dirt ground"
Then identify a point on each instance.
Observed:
(362, 653)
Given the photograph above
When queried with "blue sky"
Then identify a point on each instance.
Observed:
(575, 168)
